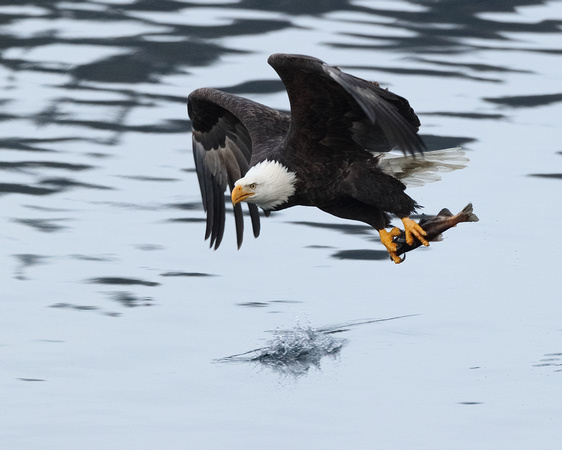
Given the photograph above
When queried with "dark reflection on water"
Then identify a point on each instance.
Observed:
(76, 307)
(555, 176)
(437, 142)
(122, 281)
(82, 308)
(254, 304)
(362, 255)
(29, 144)
(255, 87)
(187, 220)
(43, 225)
(26, 261)
(186, 206)
(551, 361)
(145, 178)
(477, 67)
(130, 300)
(15, 188)
(425, 72)
(23, 165)
(186, 274)
(296, 7)
(64, 183)
(459, 20)
(526, 101)
(466, 115)
(149, 247)
(145, 61)
(268, 303)
(91, 258)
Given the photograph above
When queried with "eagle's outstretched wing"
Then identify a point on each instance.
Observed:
(226, 129)
(339, 110)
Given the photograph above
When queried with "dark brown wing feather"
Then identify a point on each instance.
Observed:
(339, 110)
(226, 128)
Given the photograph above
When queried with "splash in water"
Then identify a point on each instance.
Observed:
(295, 351)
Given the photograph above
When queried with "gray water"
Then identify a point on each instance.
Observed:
(119, 328)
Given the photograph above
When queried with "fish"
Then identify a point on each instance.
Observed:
(434, 226)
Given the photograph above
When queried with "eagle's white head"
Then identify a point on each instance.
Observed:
(267, 184)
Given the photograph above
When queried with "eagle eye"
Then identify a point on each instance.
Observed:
(253, 186)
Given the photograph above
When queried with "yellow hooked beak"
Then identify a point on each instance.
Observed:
(239, 194)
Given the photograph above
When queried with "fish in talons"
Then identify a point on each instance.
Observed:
(433, 227)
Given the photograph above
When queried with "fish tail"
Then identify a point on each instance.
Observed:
(467, 214)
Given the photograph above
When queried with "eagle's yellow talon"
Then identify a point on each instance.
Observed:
(396, 258)
(413, 229)
(391, 247)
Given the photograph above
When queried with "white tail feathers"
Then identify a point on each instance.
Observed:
(419, 170)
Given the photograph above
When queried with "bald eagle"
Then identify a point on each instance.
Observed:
(331, 152)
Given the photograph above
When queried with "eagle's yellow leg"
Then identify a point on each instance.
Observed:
(386, 239)
(413, 229)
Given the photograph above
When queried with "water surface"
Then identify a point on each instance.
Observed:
(115, 314)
